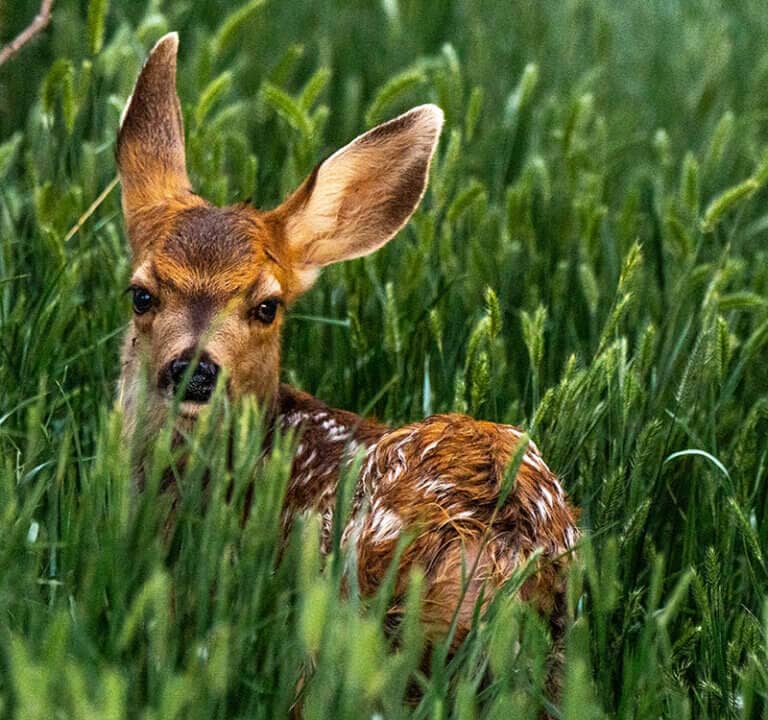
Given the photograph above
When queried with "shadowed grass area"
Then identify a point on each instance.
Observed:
(589, 263)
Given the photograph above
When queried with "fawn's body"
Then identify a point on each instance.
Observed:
(209, 288)
(439, 478)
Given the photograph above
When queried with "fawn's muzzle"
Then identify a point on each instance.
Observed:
(201, 383)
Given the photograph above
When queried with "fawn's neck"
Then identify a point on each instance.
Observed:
(327, 439)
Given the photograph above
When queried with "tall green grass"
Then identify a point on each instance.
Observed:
(590, 262)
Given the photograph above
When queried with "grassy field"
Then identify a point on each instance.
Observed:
(590, 262)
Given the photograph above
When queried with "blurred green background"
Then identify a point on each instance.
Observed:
(590, 262)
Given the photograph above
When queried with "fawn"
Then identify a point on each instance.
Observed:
(438, 479)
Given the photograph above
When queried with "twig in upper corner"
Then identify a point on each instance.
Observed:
(37, 25)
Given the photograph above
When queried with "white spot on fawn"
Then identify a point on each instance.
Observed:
(571, 536)
(429, 448)
(310, 459)
(385, 525)
(542, 509)
(436, 486)
(352, 532)
(335, 432)
(534, 462)
(294, 418)
(394, 474)
(352, 447)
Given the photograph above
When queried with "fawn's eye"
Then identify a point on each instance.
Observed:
(265, 311)
(142, 300)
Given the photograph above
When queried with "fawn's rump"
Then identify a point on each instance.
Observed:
(439, 481)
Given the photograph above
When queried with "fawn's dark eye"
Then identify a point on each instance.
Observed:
(265, 311)
(142, 300)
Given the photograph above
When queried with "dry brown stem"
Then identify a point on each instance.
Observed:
(38, 24)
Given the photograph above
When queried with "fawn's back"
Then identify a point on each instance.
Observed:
(439, 480)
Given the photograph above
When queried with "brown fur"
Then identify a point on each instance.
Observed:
(207, 268)
(437, 480)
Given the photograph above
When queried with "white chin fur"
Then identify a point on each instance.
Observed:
(190, 409)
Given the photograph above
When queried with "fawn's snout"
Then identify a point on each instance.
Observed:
(197, 385)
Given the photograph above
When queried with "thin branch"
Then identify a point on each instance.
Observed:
(92, 209)
(37, 25)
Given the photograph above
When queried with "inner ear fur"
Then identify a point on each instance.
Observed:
(150, 142)
(357, 199)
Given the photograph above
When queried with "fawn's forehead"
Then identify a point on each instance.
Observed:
(216, 251)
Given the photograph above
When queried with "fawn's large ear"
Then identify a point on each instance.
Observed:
(357, 199)
(150, 141)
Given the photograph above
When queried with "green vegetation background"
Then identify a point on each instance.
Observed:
(590, 262)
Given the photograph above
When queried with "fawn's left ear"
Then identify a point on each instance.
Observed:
(150, 142)
(357, 199)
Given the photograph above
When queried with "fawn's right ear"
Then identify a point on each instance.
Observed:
(357, 199)
(150, 141)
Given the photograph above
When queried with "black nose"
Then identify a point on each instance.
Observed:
(201, 382)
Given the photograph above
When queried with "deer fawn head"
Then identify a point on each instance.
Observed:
(210, 285)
